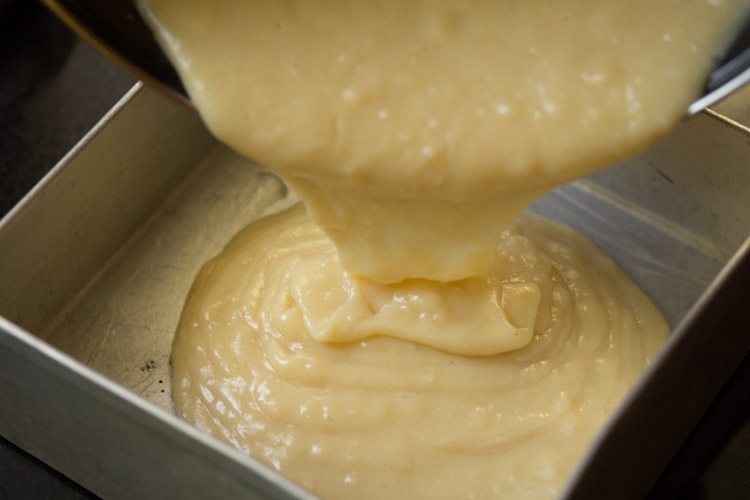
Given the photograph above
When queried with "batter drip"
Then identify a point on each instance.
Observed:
(416, 131)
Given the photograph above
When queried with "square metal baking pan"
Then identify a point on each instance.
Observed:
(96, 262)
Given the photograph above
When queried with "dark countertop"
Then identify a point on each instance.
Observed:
(54, 88)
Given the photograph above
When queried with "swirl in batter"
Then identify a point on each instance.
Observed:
(377, 416)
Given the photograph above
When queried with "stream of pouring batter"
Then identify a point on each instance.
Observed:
(407, 338)
(416, 131)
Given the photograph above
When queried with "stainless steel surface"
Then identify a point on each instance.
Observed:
(692, 188)
(730, 74)
(110, 440)
(122, 324)
(640, 439)
(67, 228)
(97, 261)
(54, 248)
(712, 96)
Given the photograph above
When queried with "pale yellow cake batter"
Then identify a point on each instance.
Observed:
(439, 349)
(388, 418)
(417, 130)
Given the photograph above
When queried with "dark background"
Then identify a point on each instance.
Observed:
(54, 88)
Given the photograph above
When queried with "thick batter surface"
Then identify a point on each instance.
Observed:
(383, 417)
(415, 342)
(417, 130)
